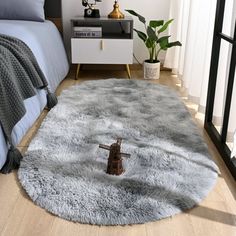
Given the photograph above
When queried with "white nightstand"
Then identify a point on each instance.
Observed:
(115, 46)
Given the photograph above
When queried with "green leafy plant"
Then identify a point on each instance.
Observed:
(152, 37)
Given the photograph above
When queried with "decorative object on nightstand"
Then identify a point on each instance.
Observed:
(91, 11)
(113, 46)
(114, 165)
(154, 42)
(116, 13)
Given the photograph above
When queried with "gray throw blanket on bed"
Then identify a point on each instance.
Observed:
(20, 76)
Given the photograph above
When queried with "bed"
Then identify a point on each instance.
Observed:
(45, 42)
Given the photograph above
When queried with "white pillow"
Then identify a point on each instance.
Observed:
(32, 10)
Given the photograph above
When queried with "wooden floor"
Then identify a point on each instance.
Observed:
(215, 216)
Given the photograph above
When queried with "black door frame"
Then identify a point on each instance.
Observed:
(219, 139)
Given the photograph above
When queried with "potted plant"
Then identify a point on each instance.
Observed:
(155, 43)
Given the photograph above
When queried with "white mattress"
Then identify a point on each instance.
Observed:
(45, 42)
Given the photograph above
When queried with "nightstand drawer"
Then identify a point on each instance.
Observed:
(102, 51)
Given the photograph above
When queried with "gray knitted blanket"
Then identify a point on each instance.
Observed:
(20, 75)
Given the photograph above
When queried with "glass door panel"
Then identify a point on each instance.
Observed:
(229, 18)
(220, 121)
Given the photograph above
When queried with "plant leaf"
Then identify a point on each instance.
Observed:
(141, 18)
(165, 26)
(151, 34)
(156, 23)
(141, 35)
(149, 43)
(173, 44)
(164, 43)
(162, 39)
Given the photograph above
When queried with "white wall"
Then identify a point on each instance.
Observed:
(151, 9)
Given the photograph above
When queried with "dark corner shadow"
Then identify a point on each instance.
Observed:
(213, 215)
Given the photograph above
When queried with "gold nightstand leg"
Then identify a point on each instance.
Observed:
(77, 72)
(128, 71)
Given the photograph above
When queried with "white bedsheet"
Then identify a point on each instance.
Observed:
(45, 42)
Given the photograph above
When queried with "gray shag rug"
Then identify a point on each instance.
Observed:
(169, 171)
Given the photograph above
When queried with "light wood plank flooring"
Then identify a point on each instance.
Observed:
(215, 216)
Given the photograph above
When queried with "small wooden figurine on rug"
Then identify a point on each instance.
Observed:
(114, 166)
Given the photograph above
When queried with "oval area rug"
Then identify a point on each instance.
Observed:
(169, 171)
